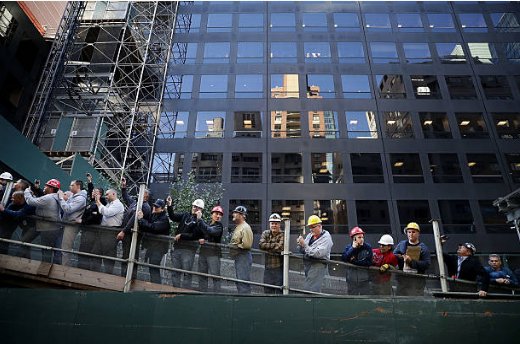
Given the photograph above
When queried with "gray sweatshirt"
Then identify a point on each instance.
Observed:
(47, 206)
(74, 207)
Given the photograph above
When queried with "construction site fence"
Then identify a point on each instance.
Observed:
(211, 267)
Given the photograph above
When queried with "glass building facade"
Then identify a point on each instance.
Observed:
(372, 114)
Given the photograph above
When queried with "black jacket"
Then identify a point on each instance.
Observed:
(213, 234)
(470, 269)
(188, 227)
(157, 224)
(128, 218)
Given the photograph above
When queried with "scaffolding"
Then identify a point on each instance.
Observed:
(103, 86)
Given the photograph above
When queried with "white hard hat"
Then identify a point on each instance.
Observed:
(198, 203)
(6, 176)
(386, 239)
(275, 218)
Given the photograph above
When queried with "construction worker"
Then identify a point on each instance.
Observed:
(414, 258)
(12, 216)
(5, 178)
(209, 255)
(47, 207)
(241, 243)
(385, 260)
(272, 241)
(186, 239)
(358, 253)
(315, 248)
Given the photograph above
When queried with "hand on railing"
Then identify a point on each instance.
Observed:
(120, 235)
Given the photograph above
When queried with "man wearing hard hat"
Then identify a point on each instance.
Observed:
(414, 258)
(272, 241)
(315, 247)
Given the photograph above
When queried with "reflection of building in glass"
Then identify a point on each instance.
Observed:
(207, 167)
(392, 86)
(289, 88)
(215, 127)
(248, 124)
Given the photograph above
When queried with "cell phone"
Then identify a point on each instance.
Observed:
(444, 237)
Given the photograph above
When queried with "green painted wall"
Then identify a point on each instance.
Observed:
(63, 316)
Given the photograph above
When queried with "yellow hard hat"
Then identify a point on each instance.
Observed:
(412, 225)
(313, 220)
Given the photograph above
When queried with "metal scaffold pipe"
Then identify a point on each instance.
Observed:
(440, 258)
(286, 234)
(133, 245)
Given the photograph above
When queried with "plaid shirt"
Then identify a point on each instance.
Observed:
(273, 243)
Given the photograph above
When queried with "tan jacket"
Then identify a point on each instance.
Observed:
(242, 236)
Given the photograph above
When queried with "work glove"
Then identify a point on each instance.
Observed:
(385, 267)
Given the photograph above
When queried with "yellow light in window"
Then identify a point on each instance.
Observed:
(464, 122)
(471, 163)
(428, 122)
(391, 122)
(502, 123)
(247, 122)
(398, 164)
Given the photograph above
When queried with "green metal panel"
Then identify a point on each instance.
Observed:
(62, 134)
(80, 167)
(65, 316)
(25, 158)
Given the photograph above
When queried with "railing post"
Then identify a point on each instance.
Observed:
(287, 237)
(7, 192)
(440, 258)
(133, 245)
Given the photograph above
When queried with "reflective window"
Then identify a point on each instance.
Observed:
(445, 168)
(250, 52)
(286, 124)
(346, 22)
(472, 22)
(417, 211)
(292, 210)
(187, 26)
(356, 86)
(507, 125)
(317, 52)
(484, 168)
(333, 215)
(178, 86)
(398, 124)
(249, 86)
(220, 22)
(505, 22)
(361, 125)
(390, 86)
(283, 52)
(213, 86)
(512, 51)
(409, 22)
(377, 22)
(285, 86)
(435, 125)
(406, 168)
(314, 22)
(494, 222)
(373, 216)
(417, 53)
(173, 125)
(282, 22)
(461, 87)
(254, 212)
(286, 168)
(496, 87)
(327, 168)
(184, 53)
(246, 168)
(384, 52)
(210, 124)
(251, 22)
(216, 52)
(483, 53)
(248, 124)
(367, 168)
(351, 52)
(425, 87)
(450, 52)
(472, 125)
(167, 167)
(323, 124)
(320, 86)
(456, 216)
(513, 164)
(207, 167)
(441, 22)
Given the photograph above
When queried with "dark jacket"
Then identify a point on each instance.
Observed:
(188, 228)
(158, 224)
(129, 217)
(91, 216)
(361, 255)
(470, 270)
(14, 215)
(213, 234)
